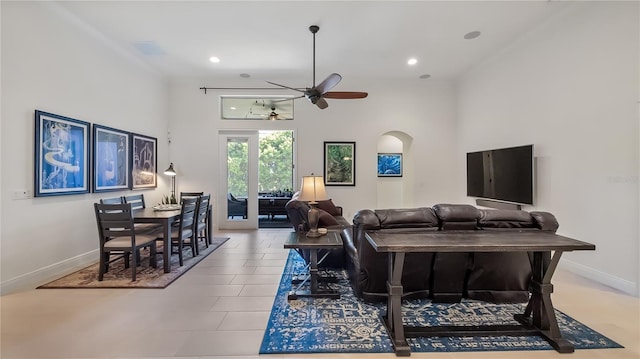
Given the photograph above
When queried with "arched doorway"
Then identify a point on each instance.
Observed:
(396, 192)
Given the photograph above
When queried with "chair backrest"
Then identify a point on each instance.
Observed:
(203, 208)
(188, 217)
(190, 194)
(113, 200)
(114, 220)
(136, 201)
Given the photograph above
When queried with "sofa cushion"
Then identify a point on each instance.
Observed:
(329, 207)
(457, 216)
(456, 212)
(326, 219)
(504, 218)
(407, 218)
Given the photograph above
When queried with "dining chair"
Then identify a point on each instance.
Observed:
(190, 194)
(118, 236)
(202, 217)
(112, 200)
(185, 233)
(137, 202)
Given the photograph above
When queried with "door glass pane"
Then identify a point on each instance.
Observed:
(275, 159)
(237, 177)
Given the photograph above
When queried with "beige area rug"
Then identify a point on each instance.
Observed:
(147, 277)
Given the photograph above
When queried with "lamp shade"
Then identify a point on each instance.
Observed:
(170, 171)
(312, 189)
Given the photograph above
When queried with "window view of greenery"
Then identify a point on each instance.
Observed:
(238, 167)
(275, 164)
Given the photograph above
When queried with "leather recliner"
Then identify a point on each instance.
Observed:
(495, 277)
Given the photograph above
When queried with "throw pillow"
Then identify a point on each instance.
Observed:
(326, 219)
(329, 207)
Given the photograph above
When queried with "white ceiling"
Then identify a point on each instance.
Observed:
(270, 40)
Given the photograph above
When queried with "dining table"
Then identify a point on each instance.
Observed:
(166, 217)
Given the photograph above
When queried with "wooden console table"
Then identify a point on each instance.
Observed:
(539, 316)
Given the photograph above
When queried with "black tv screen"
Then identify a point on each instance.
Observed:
(504, 174)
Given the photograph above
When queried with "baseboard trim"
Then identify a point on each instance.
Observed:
(46, 274)
(609, 280)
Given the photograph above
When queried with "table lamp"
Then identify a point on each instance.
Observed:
(172, 173)
(312, 190)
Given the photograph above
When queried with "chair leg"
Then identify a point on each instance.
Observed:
(205, 234)
(180, 252)
(153, 258)
(133, 267)
(104, 262)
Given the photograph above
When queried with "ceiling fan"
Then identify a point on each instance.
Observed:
(317, 93)
(267, 111)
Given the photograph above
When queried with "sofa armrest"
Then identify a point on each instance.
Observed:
(545, 221)
(366, 219)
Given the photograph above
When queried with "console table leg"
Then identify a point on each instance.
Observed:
(540, 313)
(393, 321)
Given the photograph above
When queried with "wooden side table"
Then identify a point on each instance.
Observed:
(299, 241)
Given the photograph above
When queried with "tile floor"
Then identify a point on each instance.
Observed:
(220, 309)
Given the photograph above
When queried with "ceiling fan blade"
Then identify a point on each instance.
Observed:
(328, 83)
(345, 94)
(287, 99)
(322, 103)
(287, 87)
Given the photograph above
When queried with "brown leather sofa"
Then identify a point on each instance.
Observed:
(330, 218)
(444, 277)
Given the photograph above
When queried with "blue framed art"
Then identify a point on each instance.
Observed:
(145, 162)
(111, 159)
(389, 164)
(61, 165)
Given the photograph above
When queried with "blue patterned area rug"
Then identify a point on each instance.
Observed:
(348, 325)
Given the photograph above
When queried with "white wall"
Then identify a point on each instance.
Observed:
(570, 87)
(52, 63)
(424, 109)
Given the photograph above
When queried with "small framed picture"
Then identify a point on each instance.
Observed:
(61, 155)
(144, 161)
(111, 159)
(340, 163)
(389, 164)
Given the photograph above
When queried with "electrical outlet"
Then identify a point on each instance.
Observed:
(21, 194)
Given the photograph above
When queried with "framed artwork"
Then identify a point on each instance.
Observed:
(61, 163)
(111, 160)
(144, 161)
(340, 163)
(389, 164)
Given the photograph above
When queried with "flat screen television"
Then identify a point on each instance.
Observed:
(504, 174)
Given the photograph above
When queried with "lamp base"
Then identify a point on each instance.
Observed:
(313, 233)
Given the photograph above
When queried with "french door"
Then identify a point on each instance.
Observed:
(238, 199)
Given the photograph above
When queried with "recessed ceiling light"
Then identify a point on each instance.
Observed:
(425, 76)
(472, 35)
(214, 59)
(412, 61)
(245, 76)
(232, 108)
